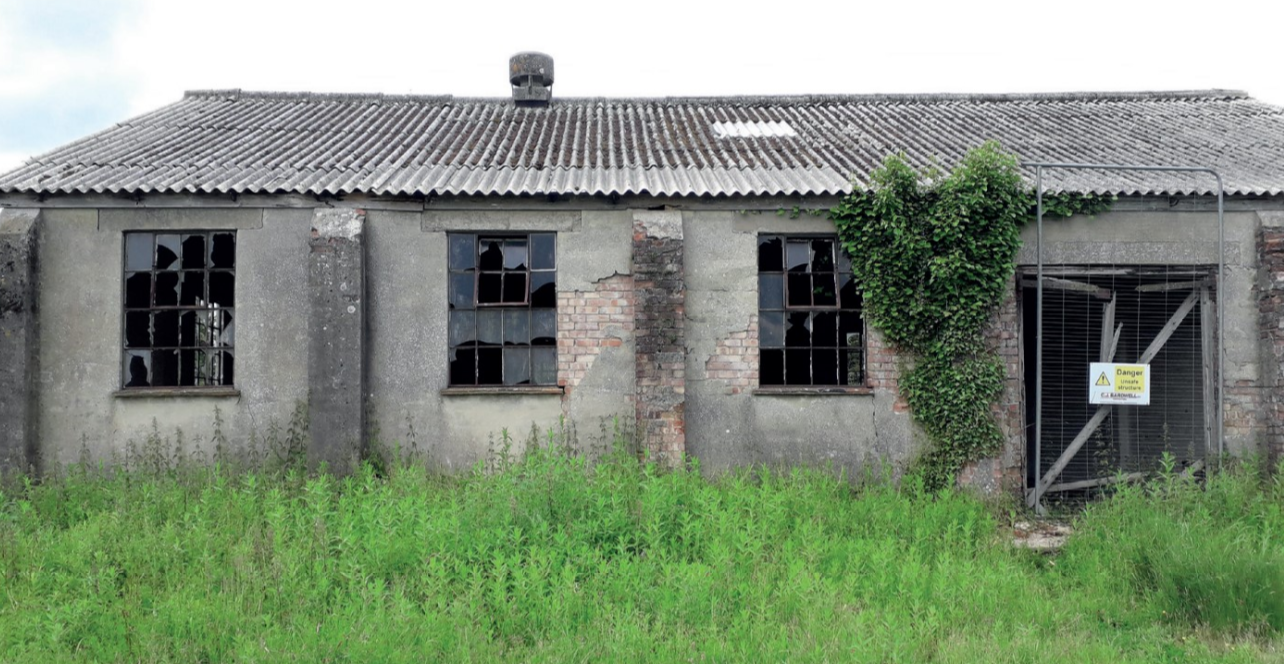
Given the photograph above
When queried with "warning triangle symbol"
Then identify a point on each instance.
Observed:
(1102, 380)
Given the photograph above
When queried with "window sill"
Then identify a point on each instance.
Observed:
(502, 389)
(168, 392)
(802, 391)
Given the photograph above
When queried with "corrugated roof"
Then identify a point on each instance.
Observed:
(246, 142)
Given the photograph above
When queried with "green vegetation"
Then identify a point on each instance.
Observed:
(934, 255)
(550, 558)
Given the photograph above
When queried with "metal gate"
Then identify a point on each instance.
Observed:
(1163, 318)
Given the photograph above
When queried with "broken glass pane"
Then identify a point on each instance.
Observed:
(192, 367)
(463, 251)
(138, 251)
(543, 289)
(138, 290)
(222, 289)
(770, 254)
(166, 289)
(223, 250)
(824, 366)
(850, 328)
(544, 366)
(824, 329)
(544, 327)
(515, 287)
(517, 367)
(463, 328)
(138, 332)
(798, 330)
(194, 252)
(797, 366)
(227, 334)
(167, 249)
(850, 361)
(771, 291)
(227, 366)
(187, 330)
(772, 369)
(137, 368)
(490, 288)
(193, 289)
(543, 251)
(771, 328)
(823, 291)
(797, 254)
(849, 297)
(492, 255)
(799, 289)
(517, 327)
(490, 327)
(490, 366)
(822, 252)
(461, 290)
(462, 366)
(515, 255)
(844, 261)
(165, 328)
(198, 328)
(164, 368)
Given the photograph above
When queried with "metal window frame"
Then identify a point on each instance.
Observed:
(837, 309)
(180, 309)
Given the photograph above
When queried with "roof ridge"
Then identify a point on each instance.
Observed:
(890, 98)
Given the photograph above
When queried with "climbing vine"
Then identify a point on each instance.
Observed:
(935, 254)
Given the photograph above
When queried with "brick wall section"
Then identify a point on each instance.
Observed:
(882, 370)
(587, 322)
(1240, 409)
(659, 308)
(735, 360)
(1004, 471)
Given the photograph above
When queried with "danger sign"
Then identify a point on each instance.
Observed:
(1110, 383)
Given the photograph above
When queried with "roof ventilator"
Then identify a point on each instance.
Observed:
(532, 77)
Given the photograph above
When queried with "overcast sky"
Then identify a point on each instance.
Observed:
(71, 67)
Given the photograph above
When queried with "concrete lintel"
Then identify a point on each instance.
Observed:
(336, 349)
(19, 341)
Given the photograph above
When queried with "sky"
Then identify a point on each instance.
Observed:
(69, 68)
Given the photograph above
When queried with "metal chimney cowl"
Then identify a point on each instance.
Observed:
(532, 77)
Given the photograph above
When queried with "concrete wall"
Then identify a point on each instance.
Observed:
(408, 401)
(80, 346)
(728, 426)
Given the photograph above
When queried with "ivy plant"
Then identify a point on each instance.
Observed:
(934, 254)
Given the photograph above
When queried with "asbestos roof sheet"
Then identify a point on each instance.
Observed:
(382, 145)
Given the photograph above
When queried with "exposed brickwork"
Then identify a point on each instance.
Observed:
(1240, 410)
(882, 370)
(587, 322)
(660, 300)
(1004, 471)
(735, 360)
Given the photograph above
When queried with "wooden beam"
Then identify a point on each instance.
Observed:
(1162, 338)
(1055, 471)
(1100, 481)
(1108, 326)
(1172, 286)
(1070, 285)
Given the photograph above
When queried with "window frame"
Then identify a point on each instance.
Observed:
(216, 351)
(841, 307)
(544, 367)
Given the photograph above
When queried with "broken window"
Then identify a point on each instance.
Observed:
(503, 309)
(180, 321)
(810, 330)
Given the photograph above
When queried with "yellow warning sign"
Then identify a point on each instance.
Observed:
(1124, 384)
(1130, 378)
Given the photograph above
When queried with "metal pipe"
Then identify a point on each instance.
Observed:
(1038, 343)
(1221, 310)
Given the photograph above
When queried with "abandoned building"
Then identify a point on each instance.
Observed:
(455, 267)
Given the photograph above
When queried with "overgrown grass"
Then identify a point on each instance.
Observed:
(550, 558)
